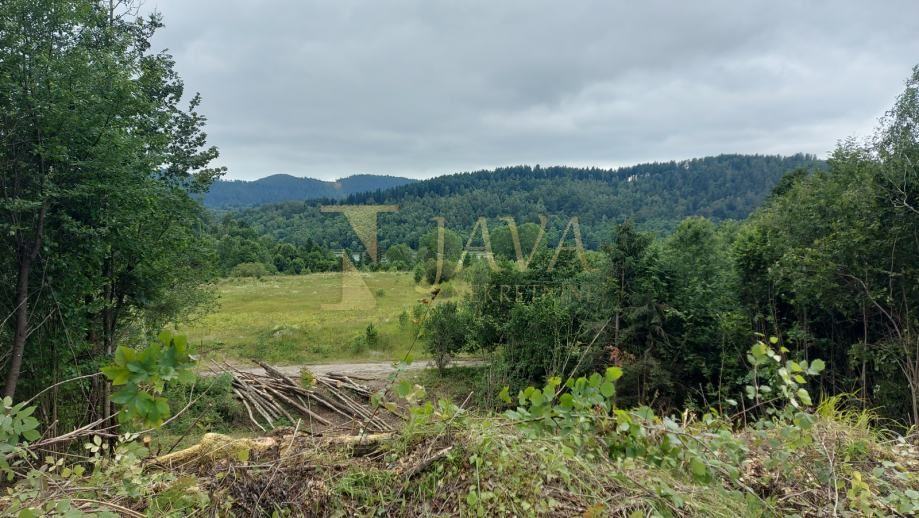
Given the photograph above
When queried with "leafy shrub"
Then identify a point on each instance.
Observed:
(307, 378)
(257, 270)
(112, 473)
(17, 429)
(213, 406)
(418, 311)
(369, 339)
(141, 376)
(372, 335)
(359, 344)
(583, 413)
(447, 290)
(445, 332)
(430, 271)
(544, 339)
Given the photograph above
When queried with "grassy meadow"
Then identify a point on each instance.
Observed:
(306, 318)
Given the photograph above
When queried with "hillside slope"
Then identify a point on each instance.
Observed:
(283, 187)
(655, 196)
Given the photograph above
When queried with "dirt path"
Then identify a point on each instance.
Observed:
(368, 371)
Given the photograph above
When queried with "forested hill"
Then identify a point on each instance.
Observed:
(656, 196)
(282, 187)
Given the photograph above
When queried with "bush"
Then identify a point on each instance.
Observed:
(369, 339)
(307, 378)
(543, 341)
(214, 408)
(445, 332)
(447, 291)
(430, 271)
(257, 270)
(372, 335)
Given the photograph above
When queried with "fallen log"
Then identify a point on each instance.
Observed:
(214, 447)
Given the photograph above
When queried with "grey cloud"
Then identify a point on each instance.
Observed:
(418, 88)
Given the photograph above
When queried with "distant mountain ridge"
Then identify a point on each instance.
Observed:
(279, 188)
(656, 196)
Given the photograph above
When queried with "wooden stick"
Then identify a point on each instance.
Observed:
(248, 409)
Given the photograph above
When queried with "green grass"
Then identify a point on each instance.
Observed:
(286, 319)
(455, 383)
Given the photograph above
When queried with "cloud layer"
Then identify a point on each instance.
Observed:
(420, 88)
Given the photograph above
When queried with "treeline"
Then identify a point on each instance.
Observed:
(241, 252)
(100, 160)
(827, 267)
(655, 196)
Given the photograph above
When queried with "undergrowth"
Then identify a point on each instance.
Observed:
(564, 449)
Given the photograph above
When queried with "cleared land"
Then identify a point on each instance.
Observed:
(306, 319)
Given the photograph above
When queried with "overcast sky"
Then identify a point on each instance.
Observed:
(421, 88)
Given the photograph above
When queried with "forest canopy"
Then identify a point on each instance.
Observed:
(655, 196)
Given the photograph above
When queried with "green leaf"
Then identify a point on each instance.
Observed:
(180, 342)
(117, 374)
(125, 395)
(504, 395)
(162, 408)
(816, 367)
(697, 467)
(29, 423)
(537, 398)
(566, 400)
(607, 389)
(804, 396)
(123, 355)
(758, 350)
(164, 337)
(613, 373)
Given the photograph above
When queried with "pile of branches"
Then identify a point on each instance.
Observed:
(269, 397)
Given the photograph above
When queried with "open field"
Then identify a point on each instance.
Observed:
(304, 319)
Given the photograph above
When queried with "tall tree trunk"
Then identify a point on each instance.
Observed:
(108, 336)
(26, 257)
(22, 325)
(864, 373)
